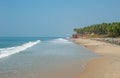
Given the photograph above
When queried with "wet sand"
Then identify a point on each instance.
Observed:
(108, 66)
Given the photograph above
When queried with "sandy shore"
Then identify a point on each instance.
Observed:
(107, 66)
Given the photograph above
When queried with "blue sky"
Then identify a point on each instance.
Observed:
(54, 17)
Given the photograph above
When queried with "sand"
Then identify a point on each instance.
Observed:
(107, 66)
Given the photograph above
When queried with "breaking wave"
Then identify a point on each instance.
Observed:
(4, 52)
(61, 40)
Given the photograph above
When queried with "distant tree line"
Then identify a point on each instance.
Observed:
(109, 29)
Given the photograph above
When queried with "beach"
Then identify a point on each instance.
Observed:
(107, 66)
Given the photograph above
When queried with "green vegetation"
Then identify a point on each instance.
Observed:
(103, 30)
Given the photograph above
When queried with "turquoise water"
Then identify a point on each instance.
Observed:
(41, 57)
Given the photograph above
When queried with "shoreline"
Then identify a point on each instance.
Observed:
(107, 66)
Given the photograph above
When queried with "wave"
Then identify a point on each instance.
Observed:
(4, 52)
(61, 40)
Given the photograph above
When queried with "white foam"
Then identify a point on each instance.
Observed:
(60, 40)
(4, 52)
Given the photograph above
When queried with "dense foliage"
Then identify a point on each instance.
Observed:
(109, 29)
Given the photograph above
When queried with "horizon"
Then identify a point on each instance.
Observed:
(39, 18)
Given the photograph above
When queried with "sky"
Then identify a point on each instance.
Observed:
(54, 18)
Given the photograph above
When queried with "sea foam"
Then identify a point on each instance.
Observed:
(4, 52)
(61, 41)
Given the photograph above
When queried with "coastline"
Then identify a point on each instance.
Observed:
(108, 66)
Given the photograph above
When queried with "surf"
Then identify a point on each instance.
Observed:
(4, 52)
(61, 41)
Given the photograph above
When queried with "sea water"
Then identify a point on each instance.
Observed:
(41, 57)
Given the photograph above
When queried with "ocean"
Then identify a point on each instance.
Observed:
(42, 57)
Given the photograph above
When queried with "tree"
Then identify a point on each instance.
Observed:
(110, 29)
